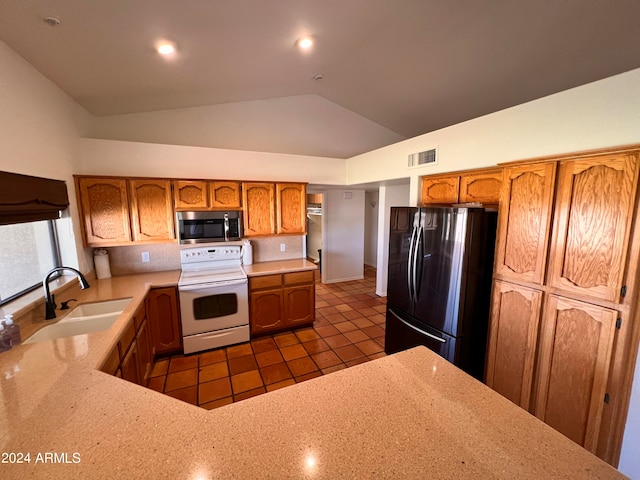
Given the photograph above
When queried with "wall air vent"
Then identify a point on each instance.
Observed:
(423, 158)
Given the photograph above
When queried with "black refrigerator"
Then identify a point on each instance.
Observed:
(439, 282)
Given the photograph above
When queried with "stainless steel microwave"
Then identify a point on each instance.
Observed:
(205, 227)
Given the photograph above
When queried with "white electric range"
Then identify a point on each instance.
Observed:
(214, 297)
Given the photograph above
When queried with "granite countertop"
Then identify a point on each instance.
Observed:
(279, 266)
(408, 415)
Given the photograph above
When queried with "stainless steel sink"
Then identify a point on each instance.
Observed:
(84, 318)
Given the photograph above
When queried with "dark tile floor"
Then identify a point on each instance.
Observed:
(349, 330)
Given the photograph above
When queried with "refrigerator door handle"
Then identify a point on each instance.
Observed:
(441, 340)
(410, 265)
(417, 281)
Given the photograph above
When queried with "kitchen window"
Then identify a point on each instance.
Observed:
(27, 252)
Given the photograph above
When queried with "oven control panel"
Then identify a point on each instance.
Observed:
(209, 254)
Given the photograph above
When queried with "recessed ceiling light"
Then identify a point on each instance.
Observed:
(304, 43)
(166, 48)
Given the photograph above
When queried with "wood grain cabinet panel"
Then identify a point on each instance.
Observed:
(481, 187)
(291, 213)
(145, 359)
(575, 352)
(524, 221)
(437, 190)
(104, 206)
(129, 366)
(259, 208)
(190, 194)
(151, 210)
(267, 311)
(513, 337)
(594, 211)
(164, 320)
(299, 304)
(225, 195)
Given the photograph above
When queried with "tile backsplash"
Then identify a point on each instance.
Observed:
(166, 256)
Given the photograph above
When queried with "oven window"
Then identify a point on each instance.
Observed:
(214, 306)
(196, 229)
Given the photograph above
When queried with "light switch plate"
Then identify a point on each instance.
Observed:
(283, 247)
(145, 257)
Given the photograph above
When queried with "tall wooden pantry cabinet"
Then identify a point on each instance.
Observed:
(562, 325)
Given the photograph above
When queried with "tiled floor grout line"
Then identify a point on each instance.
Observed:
(349, 323)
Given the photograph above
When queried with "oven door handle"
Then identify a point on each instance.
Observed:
(207, 286)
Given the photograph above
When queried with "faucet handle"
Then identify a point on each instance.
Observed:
(65, 305)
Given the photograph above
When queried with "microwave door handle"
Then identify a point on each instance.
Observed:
(226, 227)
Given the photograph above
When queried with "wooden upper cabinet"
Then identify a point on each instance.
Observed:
(576, 345)
(440, 189)
(104, 207)
(259, 208)
(481, 187)
(524, 221)
(594, 211)
(291, 203)
(190, 194)
(151, 210)
(225, 195)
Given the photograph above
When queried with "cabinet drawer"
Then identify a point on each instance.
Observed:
(126, 339)
(112, 363)
(298, 277)
(266, 281)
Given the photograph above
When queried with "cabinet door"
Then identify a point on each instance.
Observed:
(144, 353)
(440, 190)
(481, 187)
(524, 221)
(299, 304)
(266, 311)
(164, 320)
(513, 337)
(190, 195)
(129, 365)
(104, 207)
(575, 353)
(259, 206)
(151, 210)
(594, 210)
(225, 195)
(291, 207)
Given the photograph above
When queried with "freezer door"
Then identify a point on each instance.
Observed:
(403, 333)
(402, 233)
(441, 267)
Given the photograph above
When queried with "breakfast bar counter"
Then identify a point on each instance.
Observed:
(408, 415)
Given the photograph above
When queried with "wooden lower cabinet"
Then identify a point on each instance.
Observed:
(129, 365)
(164, 320)
(575, 354)
(513, 336)
(145, 359)
(282, 301)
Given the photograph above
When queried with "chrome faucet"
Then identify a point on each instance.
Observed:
(50, 301)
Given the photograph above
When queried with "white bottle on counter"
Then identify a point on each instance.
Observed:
(247, 253)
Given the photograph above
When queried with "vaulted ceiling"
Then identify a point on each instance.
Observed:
(390, 69)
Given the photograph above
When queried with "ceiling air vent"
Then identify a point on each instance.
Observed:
(423, 158)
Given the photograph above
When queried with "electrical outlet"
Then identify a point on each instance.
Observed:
(283, 247)
(145, 257)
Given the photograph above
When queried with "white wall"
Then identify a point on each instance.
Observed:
(303, 124)
(391, 196)
(39, 130)
(371, 208)
(110, 157)
(343, 252)
(629, 458)
(600, 114)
